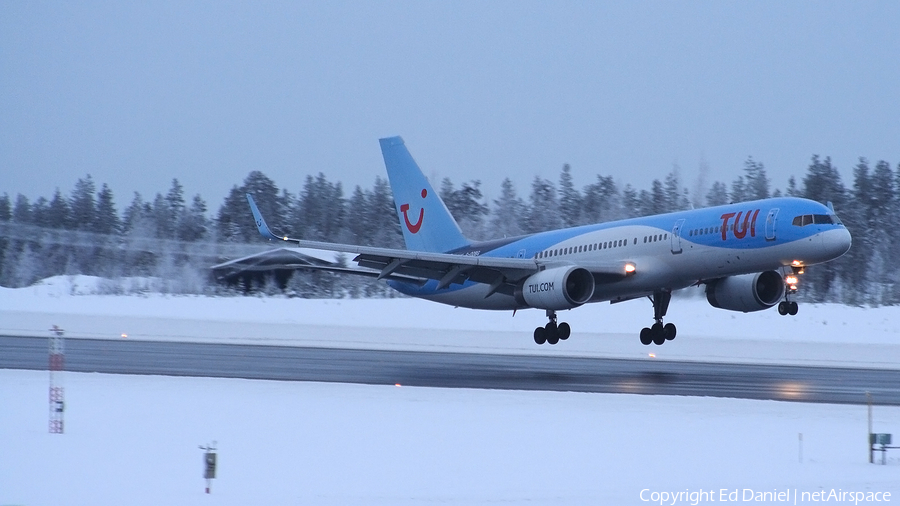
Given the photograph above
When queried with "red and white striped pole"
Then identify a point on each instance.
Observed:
(57, 394)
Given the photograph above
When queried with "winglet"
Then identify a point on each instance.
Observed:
(261, 223)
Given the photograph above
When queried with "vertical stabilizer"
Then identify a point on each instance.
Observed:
(426, 223)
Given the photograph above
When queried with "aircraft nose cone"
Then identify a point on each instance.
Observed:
(837, 242)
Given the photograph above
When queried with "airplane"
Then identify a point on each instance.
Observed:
(748, 255)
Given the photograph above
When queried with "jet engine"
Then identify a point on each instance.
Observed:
(747, 292)
(557, 288)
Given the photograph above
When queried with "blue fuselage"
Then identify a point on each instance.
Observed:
(668, 251)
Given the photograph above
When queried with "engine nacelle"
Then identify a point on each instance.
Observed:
(747, 292)
(557, 288)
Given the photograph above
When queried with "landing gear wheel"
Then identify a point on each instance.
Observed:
(646, 337)
(540, 335)
(563, 331)
(793, 308)
(669, 331)
(550, 328)
(782, 308)
(552, 333)
(659, 334)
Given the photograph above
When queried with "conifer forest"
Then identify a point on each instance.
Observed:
(173, 238)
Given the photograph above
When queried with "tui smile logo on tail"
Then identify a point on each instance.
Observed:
(413, 227)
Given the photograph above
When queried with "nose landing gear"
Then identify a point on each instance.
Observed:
(552, 333)
(788, 306)
(659, 333)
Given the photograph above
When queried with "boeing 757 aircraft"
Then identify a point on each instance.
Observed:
(747, 255)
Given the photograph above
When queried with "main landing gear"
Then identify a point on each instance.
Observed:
(552, 333)
(659, 333)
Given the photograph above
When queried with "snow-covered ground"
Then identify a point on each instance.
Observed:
(825, 334)
(134, 439)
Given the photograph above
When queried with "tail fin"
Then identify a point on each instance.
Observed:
(426, 223)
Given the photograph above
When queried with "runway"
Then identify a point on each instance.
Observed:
(461, 370)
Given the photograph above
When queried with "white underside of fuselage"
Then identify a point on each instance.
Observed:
(670, 264)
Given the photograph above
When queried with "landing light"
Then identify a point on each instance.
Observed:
(629, 268)
(652, 355)
(796, 263)
(791, 280)
(124, 336)
(397, 385)
(285, 238)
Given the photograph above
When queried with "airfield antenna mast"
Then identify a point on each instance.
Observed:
(209, 464)
(57, 394)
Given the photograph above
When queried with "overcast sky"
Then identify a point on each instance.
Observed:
(138, 93)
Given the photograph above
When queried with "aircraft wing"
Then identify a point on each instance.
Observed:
(446, 268)
(294, 259)
(502, 274)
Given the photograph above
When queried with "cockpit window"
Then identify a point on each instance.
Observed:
(816, 219)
